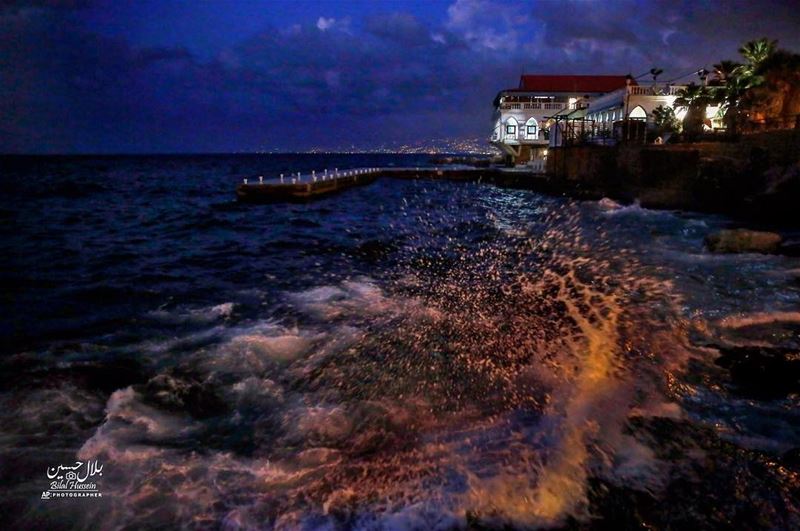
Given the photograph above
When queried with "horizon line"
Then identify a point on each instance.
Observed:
(196, 153)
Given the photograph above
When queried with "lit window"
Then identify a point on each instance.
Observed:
(511, 129)
(531, 130)
(638, 113)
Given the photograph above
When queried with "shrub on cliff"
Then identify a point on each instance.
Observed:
(665, 120)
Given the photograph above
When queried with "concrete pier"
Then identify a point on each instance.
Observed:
(312, 186)
(304, 187)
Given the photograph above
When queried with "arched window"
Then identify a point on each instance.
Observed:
(511, 128)
(638, 113)
(531, 129)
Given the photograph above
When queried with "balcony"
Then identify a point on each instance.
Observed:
(654, 90)
(516, 140)
(551, 106)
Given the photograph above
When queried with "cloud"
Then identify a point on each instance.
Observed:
(324, 24)
(483, 24)
(388, 76)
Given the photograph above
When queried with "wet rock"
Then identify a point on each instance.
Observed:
(174, 391)
(714, 484)
(763, 373)
(790, 248)
(791, 458)
(743, 241)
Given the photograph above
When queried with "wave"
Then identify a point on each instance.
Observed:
(495, 392)
(757, 319)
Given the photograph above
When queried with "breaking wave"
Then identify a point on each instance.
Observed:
(421, 355)
(493, 388)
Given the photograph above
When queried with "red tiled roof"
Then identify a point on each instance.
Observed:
(579, 84)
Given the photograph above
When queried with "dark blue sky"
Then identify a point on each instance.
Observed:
(110, 76)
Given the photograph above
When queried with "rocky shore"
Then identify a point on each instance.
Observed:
(755, 178)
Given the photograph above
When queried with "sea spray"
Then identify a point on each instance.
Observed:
(492, 374)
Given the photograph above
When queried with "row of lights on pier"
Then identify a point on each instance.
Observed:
(325, 175)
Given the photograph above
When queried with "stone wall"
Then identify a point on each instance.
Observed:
(751, 176)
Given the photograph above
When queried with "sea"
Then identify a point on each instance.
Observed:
(411, 354)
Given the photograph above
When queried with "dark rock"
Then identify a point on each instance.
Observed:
(791, 458)
(178, 392)
(764, 373)
(790, 248)
(743, 241)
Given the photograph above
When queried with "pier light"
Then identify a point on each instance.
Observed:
(245, 181)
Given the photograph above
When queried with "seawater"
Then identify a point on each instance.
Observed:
(405, 355)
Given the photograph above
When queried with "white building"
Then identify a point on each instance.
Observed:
(523, 115)
(548, 110)
(638, 102)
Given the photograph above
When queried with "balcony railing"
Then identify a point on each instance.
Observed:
(650, 90)
(533, 106)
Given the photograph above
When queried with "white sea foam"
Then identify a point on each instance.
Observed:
(612, 208)
(320, 425)
(762, 318)
(608, 204)
(261, 347)
(290, 387)
(197, 315)
(352, 297)
(130, 425)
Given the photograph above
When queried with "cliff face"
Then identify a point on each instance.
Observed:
(756, 177)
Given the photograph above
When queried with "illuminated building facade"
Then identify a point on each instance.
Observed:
(638, 102)
(528, 119)
(523, 115)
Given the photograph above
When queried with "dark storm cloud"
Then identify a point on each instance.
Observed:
(335, 81)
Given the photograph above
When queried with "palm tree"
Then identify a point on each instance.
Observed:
(694, 98)
(735, 81)
(756, 52)
(724, 70)
(729, 91)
